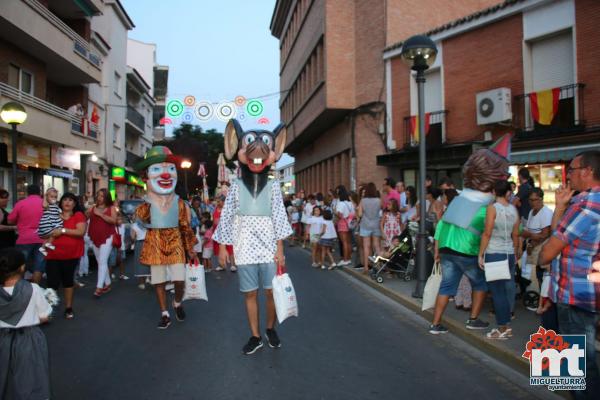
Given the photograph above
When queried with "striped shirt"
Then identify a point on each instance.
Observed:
(50, 220)
(579, 228)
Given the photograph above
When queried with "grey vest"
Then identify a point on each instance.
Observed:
(250, 206)
(158, 220)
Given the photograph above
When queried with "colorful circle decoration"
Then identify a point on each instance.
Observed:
(204, 111)
(239, 101)
(165, 121)
(263, 121)
(187, 117)
(189, 101)
(174, 108)
(241, 116)
(254, 108)
(225, 111)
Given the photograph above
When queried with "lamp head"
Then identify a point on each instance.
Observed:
(419, 52)
(185, 164)
(13, 113)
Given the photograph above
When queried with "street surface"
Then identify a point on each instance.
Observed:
(348, 343)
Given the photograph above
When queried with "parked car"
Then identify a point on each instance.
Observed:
(127, 209)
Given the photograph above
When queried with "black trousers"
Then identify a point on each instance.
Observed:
(61, 272)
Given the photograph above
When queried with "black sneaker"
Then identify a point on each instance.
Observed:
(253, 344)
(476, 324)
(179, 313)
(164, 322)
(273, 339)
(437, 329)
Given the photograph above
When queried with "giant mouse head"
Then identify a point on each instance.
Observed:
(255, 149)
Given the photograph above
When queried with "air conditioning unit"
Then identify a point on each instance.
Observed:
(493, 106)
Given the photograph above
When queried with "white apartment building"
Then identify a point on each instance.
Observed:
(46, 62)
(109, 36)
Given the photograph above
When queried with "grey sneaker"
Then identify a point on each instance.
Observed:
(477, 324)
(437, 329)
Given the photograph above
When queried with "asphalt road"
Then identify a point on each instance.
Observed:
(348, 343)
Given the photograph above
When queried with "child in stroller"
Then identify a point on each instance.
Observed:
(399, 260)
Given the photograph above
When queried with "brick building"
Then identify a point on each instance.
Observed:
(527, 47)
(332, 78)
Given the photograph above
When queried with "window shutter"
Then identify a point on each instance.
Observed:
(433, 92)
(552, 62)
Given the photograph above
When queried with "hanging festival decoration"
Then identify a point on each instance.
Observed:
(174, 108)
(254, 108)
(189, 101)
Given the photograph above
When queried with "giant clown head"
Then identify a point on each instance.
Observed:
(160, 166)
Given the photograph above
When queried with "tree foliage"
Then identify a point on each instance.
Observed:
(191, 142)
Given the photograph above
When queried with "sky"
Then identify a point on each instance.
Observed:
(216, 51)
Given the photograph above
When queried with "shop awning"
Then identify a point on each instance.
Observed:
(60, 173)
(555, 154)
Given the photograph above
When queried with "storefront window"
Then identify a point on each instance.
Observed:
(546, 176)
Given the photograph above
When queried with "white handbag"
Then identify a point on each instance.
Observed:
(195, 282)
(284, 295)
(432, 287)
(498, 270)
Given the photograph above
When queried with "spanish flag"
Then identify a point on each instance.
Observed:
(414, 127)
(544, 105)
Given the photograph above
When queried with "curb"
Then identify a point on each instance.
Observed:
(471, 337)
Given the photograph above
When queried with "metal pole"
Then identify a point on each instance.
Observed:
(187, 196)
(14, 164)
(422, 236)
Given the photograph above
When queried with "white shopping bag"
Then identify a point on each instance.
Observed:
(284, 295)
(198, 245)
(432, 287)
(195, 284)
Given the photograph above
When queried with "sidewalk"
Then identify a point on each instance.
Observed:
(508, 351)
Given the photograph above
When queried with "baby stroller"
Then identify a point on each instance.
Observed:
(400, 262)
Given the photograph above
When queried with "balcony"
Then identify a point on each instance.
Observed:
(568, 118)
(132, 159)
(436, 136)
(49, 122)
(69, 58)
(135, 119)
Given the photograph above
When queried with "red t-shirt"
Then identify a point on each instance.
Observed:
(68, 247)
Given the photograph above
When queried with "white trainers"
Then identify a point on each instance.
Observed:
(123, 277)
(142, 286)
(233, 268)
(323, 266)
(113, 276)
(219, 269)
(315, 264)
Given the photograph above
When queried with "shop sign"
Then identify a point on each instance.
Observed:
(29, 153)
(117, 174)
(133, 179)
(65, 157)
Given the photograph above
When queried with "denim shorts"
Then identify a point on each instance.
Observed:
(252, 276)
(370, 232)
(453, 268)
(34, 260)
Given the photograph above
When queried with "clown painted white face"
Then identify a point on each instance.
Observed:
(162, 177)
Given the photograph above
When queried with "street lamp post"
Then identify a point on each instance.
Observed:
(419, 53)
(14, 114)
(186, 164)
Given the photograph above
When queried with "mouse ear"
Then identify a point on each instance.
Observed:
(280, 134)
(232, 131)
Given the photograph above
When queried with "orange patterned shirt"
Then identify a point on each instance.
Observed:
(169, 245)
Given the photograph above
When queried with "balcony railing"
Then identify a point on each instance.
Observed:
(42, 105)
(136, 118)
(436, 136)
(568, 118)
(132, 159)
(80, 45)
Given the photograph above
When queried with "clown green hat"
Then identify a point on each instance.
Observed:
(157, 154)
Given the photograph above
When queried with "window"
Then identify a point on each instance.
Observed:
(552, 62)
(116, 134)
(117, 84)
(20, 79)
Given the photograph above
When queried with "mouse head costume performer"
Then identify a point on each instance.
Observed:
(253, 218)
(169, 237)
